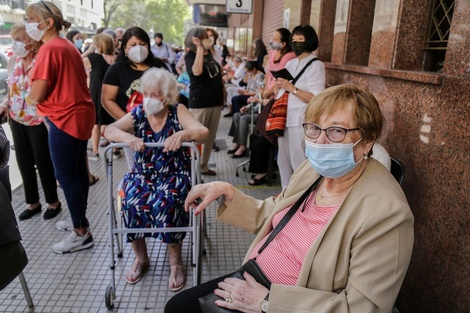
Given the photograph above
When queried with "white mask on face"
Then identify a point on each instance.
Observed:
(208, 43)
(34, 32)
(138, 54)
(19, 49)
(152, 106)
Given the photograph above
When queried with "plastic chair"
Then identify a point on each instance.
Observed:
(397, 170)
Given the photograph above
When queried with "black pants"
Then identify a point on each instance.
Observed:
(186, 301)
(32, 151)
(259, 154)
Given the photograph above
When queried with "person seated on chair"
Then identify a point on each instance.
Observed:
(348, 246)
(157, 184)
(253, 80)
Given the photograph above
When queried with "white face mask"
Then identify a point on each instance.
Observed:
(138, 54)
(208, 43)
(34, 32)
(152, 105)
(19, 49)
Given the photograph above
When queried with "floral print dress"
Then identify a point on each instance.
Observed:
(156, 187)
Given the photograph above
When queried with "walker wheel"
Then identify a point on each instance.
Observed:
(108, 298)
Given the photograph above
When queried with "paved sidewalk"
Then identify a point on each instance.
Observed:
(77, 282)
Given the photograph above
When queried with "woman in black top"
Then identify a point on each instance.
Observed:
(121, 83)
(97, 64)
(206, 91)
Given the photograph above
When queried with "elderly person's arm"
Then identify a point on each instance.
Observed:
(122, 131)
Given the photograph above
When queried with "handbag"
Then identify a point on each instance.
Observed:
(207, 303)
(277, 117)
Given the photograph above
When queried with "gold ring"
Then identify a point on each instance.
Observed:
(229, 299)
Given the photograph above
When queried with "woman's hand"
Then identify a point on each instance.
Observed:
(174, 142)
(201, 196)
(136, 144)
(197, 42)
(243, 295)
(285, 84)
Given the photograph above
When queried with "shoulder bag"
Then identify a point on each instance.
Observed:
(207, 303)
(276, 121)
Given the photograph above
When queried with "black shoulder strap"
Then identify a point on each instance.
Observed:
(289, 214)
(303, 70)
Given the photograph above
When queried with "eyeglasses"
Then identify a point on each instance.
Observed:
(333, 133)
(46, 7)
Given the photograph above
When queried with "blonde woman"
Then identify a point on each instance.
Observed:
(97, 63)
(60, 93)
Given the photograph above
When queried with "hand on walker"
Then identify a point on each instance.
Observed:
(136, 144)
(201, 196)
(173, 142)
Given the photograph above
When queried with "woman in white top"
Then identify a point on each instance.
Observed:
(304, 42)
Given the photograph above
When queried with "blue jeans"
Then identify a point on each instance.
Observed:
(69, 158)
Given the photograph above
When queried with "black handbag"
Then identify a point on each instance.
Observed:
(207, 303)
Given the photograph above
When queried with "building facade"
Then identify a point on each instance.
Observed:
(413, 56)
(84, 15)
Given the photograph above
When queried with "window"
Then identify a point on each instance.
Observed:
(438, 34)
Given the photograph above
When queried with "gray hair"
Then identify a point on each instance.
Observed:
(110, 32)
(198, 32)
(160, 80)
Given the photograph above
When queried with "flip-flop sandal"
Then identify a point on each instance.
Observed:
(137, 271)
(172, 279)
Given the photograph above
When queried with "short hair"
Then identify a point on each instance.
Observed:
(110, 32)
(100, 30)
(251, 65)
(366, 110)
(310, 35)
(213, 31)
(20, 27)
(237, 58)
(105, 43)
(198, 32)
(161, 80)
(159, 35)
(47, 9)
(71, 33)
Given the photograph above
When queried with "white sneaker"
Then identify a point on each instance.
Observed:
(74, 242)
(64, 225)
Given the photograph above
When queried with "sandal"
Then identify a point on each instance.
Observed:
(172, 279)
(137, 271)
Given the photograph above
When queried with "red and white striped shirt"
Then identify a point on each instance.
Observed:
(282, 259)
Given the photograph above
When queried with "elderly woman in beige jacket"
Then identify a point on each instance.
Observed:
(347, 247)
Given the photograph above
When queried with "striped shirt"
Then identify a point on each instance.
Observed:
(282, 259)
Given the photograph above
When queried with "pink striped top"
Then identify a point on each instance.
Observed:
(282, 259)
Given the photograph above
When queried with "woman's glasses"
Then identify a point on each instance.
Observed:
(333, 133)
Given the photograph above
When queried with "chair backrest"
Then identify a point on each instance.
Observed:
(397, 170)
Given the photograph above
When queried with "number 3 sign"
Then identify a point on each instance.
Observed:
(239, 6)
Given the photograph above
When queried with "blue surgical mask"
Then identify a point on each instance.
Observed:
(275, 46)
(78, 43)
(331, 160)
